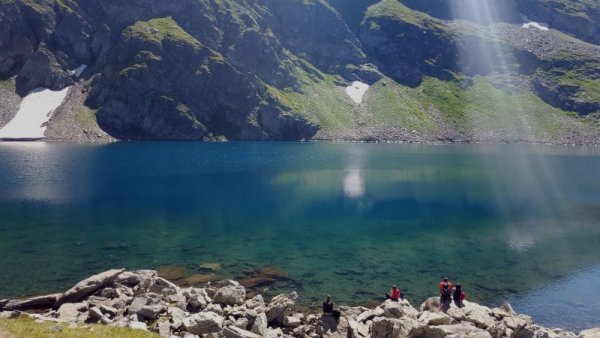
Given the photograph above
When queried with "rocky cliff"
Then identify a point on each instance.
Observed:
(277, 70)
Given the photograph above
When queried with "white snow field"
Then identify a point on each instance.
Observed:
(357, 90)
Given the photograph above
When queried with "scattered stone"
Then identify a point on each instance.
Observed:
(279, 305)
(230, 295)
(204, 322)
(236, 332)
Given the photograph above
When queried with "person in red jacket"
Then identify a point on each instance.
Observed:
(394, 294)
(445, 294)
(459, 295)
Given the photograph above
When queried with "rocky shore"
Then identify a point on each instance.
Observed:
(143, 300)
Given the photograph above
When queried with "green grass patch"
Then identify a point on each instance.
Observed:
(157, 30)
(87, 117)
(25, 327)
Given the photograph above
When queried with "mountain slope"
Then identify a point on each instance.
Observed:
(278, 70)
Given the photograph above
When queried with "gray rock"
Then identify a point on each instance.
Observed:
(3, 302)
(223, 283)
(196, 299)
(108, 310)
(164, 329)
(203, 322)
(88, 286)
(94, 314)
(147, 307)
(69, 312)
(329, 327)
(43, 302)
(435, 318)
(260, 324)
(279, 305)
(132, 278)
(291, 321)
(230, 295)
(590, 333)
(370, 314)
(455, 330)
(255, 302)
(163, 286)
(399, 309)
(431, 304)
(138, 326)
(236, 332)
(395, 328)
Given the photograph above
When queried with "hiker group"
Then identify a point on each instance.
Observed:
(448, 293)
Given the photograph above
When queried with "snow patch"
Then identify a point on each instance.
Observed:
(77, 71)
(357, 90)
(535, 25)
(532, 24)
(35, 111)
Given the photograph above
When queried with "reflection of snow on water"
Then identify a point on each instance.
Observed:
(357, 90)
(520, 242)
(354, 184)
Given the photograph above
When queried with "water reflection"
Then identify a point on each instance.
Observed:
(354, 184)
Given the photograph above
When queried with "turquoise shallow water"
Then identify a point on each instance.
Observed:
(343, 219)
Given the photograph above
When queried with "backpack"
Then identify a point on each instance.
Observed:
(446, 290)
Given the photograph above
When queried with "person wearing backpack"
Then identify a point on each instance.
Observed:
(445, 294)
(459, 295)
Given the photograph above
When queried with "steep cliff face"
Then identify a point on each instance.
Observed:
(276, 70)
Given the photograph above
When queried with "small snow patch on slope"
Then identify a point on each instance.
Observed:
(532, 24)
(357, 90)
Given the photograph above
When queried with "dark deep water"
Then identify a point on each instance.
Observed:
(518, 223)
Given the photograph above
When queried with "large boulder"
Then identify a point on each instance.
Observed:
(435, 318)
(400, 309)
(203, 323)
(88, 286)
(396, 328)
(147, 307)
(236, 332)
(230, 295)
(279, 305)
(260, 324)
(465, 330)
(42, 302)
(330, 327)
(591, 333)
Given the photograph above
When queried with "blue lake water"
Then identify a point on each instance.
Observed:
(518, 223)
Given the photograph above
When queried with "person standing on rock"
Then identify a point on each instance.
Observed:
(328, 306)
(459, 295)
(394, 294)
(445, 294)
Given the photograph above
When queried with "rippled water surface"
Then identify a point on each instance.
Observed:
(511, 222)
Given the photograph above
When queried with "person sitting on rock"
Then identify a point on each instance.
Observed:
(394, 294)
(445, 294)
(459, 295)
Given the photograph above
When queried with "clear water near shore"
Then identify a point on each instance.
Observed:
(343, 219)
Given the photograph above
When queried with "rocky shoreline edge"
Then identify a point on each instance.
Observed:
(143, 300)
